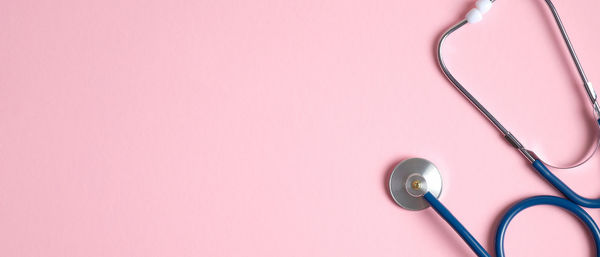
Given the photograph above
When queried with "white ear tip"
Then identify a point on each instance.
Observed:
(474, 16)
(483, 5)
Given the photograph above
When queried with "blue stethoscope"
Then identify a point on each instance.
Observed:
(416, 183)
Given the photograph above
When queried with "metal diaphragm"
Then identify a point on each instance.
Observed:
(411, 179)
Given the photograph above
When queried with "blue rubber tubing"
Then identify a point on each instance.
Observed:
(456, 225)
(563, 188)
(545, 200)
(508, 217)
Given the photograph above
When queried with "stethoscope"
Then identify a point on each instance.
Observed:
(416, 184)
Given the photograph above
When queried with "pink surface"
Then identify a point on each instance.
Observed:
(268, 128)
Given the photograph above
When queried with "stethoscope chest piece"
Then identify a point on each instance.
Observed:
(411, 179)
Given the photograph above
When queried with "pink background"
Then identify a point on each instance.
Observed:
(268, 128)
